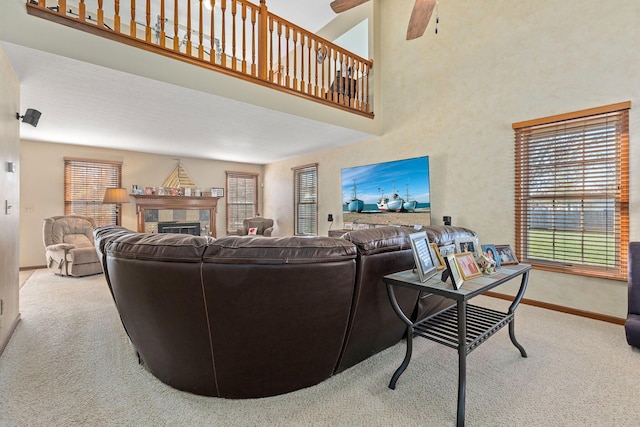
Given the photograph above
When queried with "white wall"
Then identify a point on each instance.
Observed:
(9, 194)
(453, 97)
(42, 186)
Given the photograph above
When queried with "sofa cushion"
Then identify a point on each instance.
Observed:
(279, 250)
(159, 247)
(380, 239)
(445, 234)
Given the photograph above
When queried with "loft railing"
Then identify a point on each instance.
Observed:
(235, 37)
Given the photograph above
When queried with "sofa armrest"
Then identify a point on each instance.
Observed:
(267, 232)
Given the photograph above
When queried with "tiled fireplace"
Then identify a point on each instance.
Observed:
(198, 213)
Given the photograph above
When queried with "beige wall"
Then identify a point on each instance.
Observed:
(42, 189)
(453, 97)
(9, 193)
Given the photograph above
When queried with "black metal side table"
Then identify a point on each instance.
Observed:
(462, 326)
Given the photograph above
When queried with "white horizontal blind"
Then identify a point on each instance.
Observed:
(85, 182)
(572, 182)
(242, 199)
(305, 197)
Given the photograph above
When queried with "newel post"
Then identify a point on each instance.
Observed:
(262, 40)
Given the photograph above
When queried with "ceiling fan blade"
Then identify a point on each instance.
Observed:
(420, 16)
(340, 6)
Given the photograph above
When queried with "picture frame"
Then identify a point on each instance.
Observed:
(347, 225)
(437, 257)
(467, 264)
(422, 255)
(447, 250)
(453, 271)
(492, 253)
(466, 244)
(506, 255)
(217, 192)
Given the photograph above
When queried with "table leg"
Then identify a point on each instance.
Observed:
(405, 362)
(409, 323)
(512, 309)
(462, 360)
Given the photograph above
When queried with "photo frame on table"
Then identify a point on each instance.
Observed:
(453, 271)
(466, 244)
(447, 250)
(506, 255)
(467, 265)
(437, 257)
(492, 253)
(422, 255)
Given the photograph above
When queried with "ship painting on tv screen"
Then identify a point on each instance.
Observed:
(396, 186)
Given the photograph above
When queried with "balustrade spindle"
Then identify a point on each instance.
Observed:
(287, 68)
(100, 14)
(162, 36)
(295, 60)
(132, 23)
(270, 50)
(253, 42)
(212, 37)
(279, 70)
(200, 31)
(82, 11)
(309, 87)
(223, 7)
(243, 8)
(62, 5)
(188, 35)
(116, 17)
(176, 37)
(234, 39)
(147, 28)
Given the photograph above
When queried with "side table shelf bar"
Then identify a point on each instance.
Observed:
(481, 324)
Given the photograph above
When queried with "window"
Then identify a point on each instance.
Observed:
(242, 199)
(305, 196)
(572, 191)
(85, 182)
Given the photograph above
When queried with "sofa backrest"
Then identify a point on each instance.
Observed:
(236, 317)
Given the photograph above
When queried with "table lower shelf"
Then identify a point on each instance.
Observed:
(482, 322)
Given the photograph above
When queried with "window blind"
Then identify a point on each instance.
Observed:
(85, 182)
(242, 199)
(305, 197)
(572, 192)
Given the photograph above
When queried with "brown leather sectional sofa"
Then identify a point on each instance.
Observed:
(245, 317)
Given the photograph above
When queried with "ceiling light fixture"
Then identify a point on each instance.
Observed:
(31, 117)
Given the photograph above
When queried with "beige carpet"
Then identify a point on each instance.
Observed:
(69, 363)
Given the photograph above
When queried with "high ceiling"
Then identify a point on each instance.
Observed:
(84, 104)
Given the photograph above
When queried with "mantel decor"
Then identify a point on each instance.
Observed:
(144, 202)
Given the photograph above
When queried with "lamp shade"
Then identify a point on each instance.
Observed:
(116, 195)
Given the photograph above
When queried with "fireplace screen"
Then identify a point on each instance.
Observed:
(192, 228)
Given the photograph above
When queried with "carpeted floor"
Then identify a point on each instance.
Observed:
(69, 363)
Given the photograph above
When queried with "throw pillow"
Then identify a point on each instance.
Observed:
(253, 231)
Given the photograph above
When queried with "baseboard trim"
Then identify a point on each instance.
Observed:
(560, 308)
(33, 267)
(13, 327)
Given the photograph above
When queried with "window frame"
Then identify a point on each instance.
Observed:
(89, 189)
(574, 179)
(304, 218)
(230, 204)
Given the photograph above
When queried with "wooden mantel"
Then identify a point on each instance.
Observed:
(144, 202)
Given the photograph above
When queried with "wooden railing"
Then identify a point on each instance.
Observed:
(235, 37)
